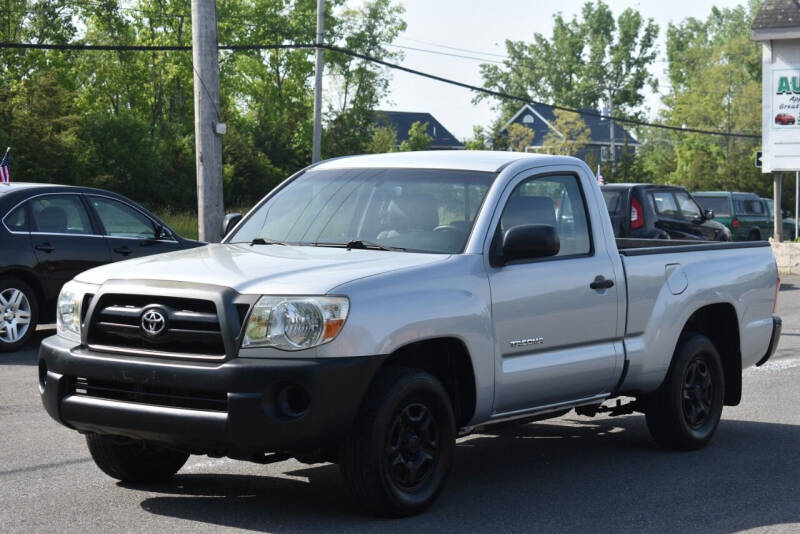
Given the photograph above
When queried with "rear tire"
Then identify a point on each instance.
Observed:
(684, 412)
(398, 454)
(754, 236)
(19, 313)
(134, 461)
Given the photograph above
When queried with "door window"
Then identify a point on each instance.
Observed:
(688, 206)
(719, 205)
(60, 214)
(121, 220)
(17, 220)
(552, 200)
(665, 204)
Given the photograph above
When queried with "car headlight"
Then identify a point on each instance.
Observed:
(68, 312)
(295, 323)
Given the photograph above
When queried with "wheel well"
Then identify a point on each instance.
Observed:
(30, 279)
(756, 232)
(719, 323)
(448, 360)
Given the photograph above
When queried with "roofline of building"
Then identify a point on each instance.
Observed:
(533, 110)
(775, 34)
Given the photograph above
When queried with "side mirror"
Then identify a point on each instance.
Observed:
(529, 241)
(230, 220)
(708, 214)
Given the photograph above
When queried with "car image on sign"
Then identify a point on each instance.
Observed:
(784, 119)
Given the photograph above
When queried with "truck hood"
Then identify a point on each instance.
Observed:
(262, 269)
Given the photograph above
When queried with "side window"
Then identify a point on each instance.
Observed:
(60, 214)
(665, 204)
(17, 220)
(556, 201)
(121, 220)
(688, 206)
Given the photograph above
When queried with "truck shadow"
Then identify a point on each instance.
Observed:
(569, 474)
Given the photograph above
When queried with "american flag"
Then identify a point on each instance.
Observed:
(5, 168)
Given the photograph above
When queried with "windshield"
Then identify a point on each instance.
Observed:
(721, 206)
(416, 210)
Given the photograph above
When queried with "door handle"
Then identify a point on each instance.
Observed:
(601, 283)
(45, 247)
(125, 251)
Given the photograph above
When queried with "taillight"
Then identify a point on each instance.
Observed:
(735, 223)
(637, 214)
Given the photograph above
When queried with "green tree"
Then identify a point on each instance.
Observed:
(715, 83)
(568, 136)
(418, 138)
(479, 139)
(519, 137)
(384, 139)
(587, 61)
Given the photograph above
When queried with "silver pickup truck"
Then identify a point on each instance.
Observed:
(370, 310)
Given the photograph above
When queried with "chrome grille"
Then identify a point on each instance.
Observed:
(191, 326)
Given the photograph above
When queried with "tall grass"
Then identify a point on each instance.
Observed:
(185, 222)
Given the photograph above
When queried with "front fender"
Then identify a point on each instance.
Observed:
(449, 299)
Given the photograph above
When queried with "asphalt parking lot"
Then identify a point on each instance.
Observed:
(564, 475)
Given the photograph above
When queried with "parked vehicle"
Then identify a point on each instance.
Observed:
(650, 211)
(371, 309)
(784, 119)
(50, 233)
(788, 221)
(743, 213)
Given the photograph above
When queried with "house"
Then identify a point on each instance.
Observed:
(401, 121)
(540, 119)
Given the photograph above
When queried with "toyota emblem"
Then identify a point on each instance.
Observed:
(153, 322)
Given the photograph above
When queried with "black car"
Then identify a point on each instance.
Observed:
(50, 233)
(647, 211)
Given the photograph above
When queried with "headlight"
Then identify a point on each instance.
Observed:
(295, 323)
(68, 312)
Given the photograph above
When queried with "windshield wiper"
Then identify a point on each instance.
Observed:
(262, 241)
(360, 244)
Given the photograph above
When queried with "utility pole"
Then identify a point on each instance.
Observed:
(797, 205)
(316, 148)
(611, 148)
(207, 121)
(776, 202)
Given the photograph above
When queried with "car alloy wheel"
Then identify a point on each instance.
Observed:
(15, 315)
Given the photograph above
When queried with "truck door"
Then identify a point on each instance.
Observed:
(555, 319)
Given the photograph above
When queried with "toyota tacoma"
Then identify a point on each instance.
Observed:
(370, 310)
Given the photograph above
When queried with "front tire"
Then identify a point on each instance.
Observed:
(399, 452)
(684, 412)
(19, 313)
(134, 461)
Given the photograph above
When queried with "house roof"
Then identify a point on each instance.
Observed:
(777, 19)
(401, 121)
(598, 127)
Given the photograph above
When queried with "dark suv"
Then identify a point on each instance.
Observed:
(648, 211)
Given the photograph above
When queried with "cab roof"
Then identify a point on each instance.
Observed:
(473, 160)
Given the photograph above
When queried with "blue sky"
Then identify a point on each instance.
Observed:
(483, 26)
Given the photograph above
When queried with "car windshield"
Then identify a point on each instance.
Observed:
(416, 210)
(721, 206)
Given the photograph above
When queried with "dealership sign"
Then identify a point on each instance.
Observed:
(785, 98)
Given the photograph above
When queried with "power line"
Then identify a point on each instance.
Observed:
(394, 66)
(440, 53)
(457, 49)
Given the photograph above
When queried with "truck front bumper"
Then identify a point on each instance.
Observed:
(777, 326)
(240, 408)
